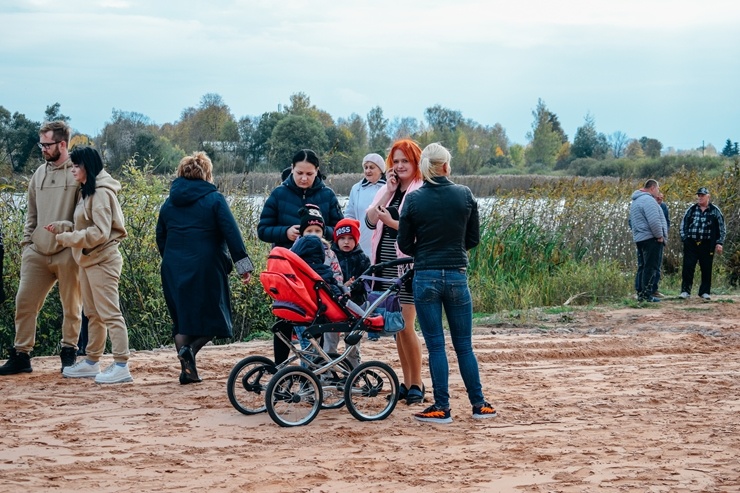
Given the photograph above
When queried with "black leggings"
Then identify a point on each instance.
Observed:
(281, 350)
(195, 342)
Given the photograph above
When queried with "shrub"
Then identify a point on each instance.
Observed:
(141, 297)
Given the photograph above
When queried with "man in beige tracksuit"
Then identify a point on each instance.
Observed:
(52, 195)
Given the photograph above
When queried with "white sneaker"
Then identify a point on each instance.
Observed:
(706, 296)
(684, 295)
(81, 369)
(114, 374)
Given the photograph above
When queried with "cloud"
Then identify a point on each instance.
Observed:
(492, 60)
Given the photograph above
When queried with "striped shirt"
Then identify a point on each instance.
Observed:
(387, 251)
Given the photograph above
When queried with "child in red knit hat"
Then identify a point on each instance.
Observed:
(352, 259)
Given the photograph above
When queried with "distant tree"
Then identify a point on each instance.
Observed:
(516, 151)
(347, 145)
(634, 149)
(122, 134)
(121, 129)
(544, 141)
(405, 128)
(52, 113)
(618, 142)
(213, 121)
(358, 128)
(556, 127)
(246, 126)
(377, 126)
(259, 145)
(467, 159)
(444, 124)
(80, 140)
(477, 146)
(18, 139)
(292, 134)
(730, 149)
(588, 142)
(499, 138)
(443, 120)
(343, 153)
(651, 147)
(564, 156)
(300, 104)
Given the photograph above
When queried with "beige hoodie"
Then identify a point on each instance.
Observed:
(98, 224)
(52, 195)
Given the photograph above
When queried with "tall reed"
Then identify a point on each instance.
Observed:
(552, 241)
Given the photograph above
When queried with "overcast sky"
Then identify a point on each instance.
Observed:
(665, 69)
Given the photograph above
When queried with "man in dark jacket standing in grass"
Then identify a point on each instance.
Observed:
(649, 231)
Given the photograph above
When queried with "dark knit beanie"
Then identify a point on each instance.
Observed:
(310, 215)
(347, 227)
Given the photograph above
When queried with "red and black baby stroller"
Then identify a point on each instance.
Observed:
(294, 391)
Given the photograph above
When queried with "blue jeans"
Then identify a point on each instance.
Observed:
(433, 290)
(299, 330)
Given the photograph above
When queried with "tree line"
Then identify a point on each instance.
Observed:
(265, 143)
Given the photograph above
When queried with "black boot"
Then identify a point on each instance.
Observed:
(68, 356)
(17, 363)
(187, 361)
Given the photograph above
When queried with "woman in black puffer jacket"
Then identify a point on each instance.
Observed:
(279, 219)
(279, 222)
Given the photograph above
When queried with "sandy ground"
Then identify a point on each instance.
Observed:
(627, 400)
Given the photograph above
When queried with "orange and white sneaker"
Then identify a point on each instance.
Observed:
(433, 414)
(484, 411)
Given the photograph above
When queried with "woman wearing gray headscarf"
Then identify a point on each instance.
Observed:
(362, 194)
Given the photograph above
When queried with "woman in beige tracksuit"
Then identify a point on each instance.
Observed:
(98, 228)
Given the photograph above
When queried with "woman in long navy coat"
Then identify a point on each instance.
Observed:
(200, 243)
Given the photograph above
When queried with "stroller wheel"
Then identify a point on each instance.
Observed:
(293, 396)
(247, 383)
(371, 392)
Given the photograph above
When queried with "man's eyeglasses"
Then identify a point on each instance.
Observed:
(46, 145)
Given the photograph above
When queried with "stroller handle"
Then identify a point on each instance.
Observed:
(392, 263)
(379, 267)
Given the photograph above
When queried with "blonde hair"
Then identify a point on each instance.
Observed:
(198, 166)
(433, 158)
